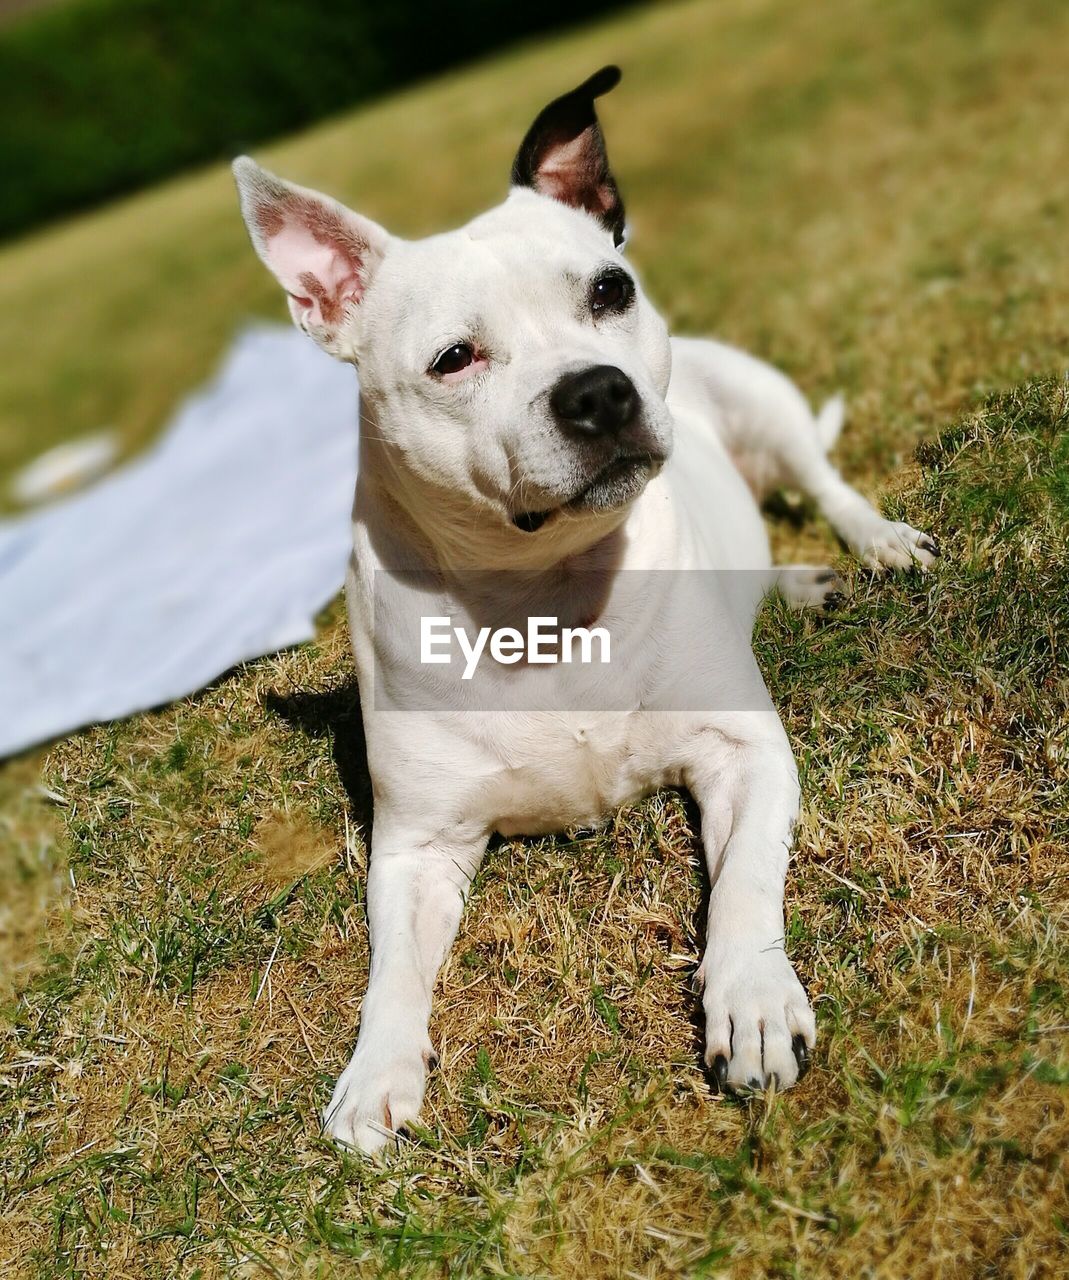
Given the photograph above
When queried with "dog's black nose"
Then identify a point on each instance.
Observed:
(599, 401)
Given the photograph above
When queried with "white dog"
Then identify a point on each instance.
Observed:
(534, 443)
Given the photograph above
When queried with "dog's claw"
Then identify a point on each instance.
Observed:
(720, 1072)
(834, 601)
(892, 545)
(801, 1054)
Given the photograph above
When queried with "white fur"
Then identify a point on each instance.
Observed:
(444, 468)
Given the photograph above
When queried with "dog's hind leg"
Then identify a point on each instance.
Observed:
(877, 541)
(777, 442)
(806, 586)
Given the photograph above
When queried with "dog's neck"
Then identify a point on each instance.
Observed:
(493, 577)
(416, 526)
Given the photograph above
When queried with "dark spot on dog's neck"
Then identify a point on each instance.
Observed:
(530, 521)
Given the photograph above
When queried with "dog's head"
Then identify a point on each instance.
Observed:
(512, 372)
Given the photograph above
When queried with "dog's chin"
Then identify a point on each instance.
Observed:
(613, 487)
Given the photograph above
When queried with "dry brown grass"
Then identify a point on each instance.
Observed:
(873, 196)
(32, 878)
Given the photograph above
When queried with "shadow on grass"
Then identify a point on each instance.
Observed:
(333, 714)
(693, 988)
(794, 512)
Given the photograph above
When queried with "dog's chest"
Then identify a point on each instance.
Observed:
(565, 770)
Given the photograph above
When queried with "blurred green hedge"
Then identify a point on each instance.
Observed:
(98, 97)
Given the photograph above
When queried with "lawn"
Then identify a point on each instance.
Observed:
(874, 196)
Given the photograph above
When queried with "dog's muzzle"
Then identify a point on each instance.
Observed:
(599, 411)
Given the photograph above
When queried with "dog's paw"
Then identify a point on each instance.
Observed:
(378, 1094)
(891, 544)
(804, 587)
(759, 1028)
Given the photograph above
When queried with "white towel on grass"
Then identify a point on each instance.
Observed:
(218, 545)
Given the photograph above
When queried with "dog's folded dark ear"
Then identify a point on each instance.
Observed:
(323, 254)
(563, 154)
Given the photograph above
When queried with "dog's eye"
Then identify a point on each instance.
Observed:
(611, 292)
(453, 359)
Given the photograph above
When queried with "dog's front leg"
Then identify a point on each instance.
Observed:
(759, 1027)
(415, 895)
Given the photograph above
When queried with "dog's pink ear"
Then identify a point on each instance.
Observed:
(563, 154)
(321, 253)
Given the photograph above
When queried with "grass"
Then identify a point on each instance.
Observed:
(872, 196)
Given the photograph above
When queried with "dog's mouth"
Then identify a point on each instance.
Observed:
(615, 484)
